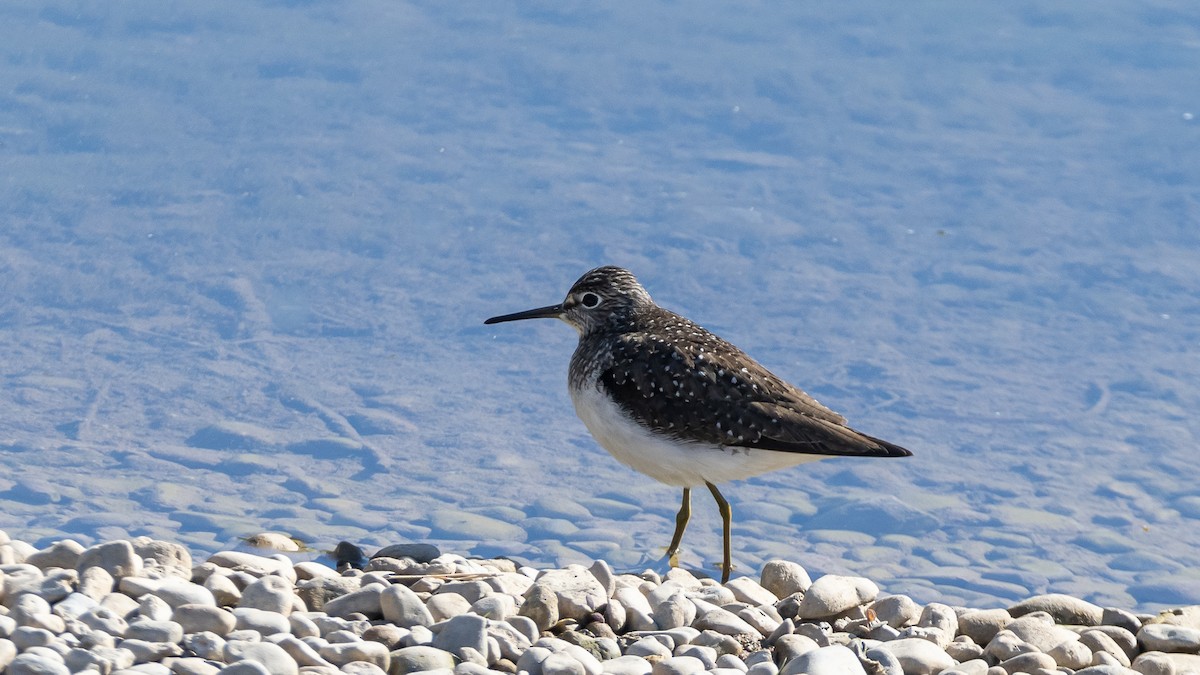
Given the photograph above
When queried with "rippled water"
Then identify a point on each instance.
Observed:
(246, 250)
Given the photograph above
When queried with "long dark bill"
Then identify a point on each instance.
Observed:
(551, 312)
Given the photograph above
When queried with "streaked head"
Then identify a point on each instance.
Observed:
(604, 297)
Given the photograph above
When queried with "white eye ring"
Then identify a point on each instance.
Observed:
(589, 300)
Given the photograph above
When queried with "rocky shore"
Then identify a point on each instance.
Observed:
(145, 606)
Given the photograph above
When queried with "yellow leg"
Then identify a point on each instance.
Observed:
(681, 521)
(726, 526)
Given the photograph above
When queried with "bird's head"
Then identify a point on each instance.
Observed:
(604, 298)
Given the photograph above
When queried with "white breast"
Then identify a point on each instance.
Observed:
(668, 460)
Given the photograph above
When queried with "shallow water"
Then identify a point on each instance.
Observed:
(247, 249)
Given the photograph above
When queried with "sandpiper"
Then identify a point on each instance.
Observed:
(679, 404)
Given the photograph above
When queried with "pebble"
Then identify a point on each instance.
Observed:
(832, 595)
(918, 656)
(897, 611)
(831, 660)
(1063, 608)
(982, 625)
(783, 578)
(1162, 637)
(141, 606)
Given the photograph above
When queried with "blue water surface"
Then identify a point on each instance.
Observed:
(246, 249)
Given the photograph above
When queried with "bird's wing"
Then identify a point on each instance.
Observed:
(722, 397)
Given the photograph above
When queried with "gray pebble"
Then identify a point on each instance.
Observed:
(963, 648)
(154, 631)
(918, 656)
(74, 605)
(767, 668)
(447, 606)
(1064, 608)
(510, 583)
(57, 585)
(153, 608)
(386, 634)
(225, 593)
(972, 667)
(577, 591)
(1006, 645)
(834, 594)
(363, 668)
(115, 557)
(302, 626)
(145, 651)
(256, 565)
(1071, 654)
(371, 652)
(260, 621)
(205, 645)
(247, 667)
(191, 665)
(27, 606)
(496, 607)
(25, 637)
(1162, 637)
(783, 578)
(273, 657)
(678, 665)
(1159, 663)
(627, 665)
(96, 582)
(421, 553)
(790, 647)
(104, 619)
(63, 554)
(176, 592)
(731, 661)
(471, 590)
(399, 605)
(897, 611)
(531, 661)
(1039, 630)
(301, 651)
(525, 626)
(706, 655)
(1123, 638)
(648, 646)
(750, 592)
(982, 625)
(244, 635)
(103, 661)
(1028, 663)
(758, 619)
(365, 601)
(831, 660)
(1099, 641)
(171, 557)
(561, 663)
(35, 664)
(674, 611)
(271, 593)
(199, 618)
(509, 642)
(723, 645)
(880, 661)
(464, 630)
(725, 622)
(541, 605)
(941, 617)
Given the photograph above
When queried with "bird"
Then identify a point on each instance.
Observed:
(681, 405)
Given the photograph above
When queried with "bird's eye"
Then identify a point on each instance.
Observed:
(590, 300)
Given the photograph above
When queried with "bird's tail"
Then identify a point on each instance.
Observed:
(886, 449)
